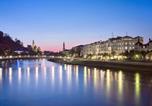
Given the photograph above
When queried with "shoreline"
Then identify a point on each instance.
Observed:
(24, 57)
(128, 66)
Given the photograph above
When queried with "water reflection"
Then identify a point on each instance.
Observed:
(108, 84)
(120, 85)
(19, 74)
(137, 87)
(88, 73)
(65, 67)
(28, 73)
(95, 78)
(102, 74)
(89, 84)
(36, 74)
(85, 76)
(60, 75)
(1, 74)
(52, 74)
(69, 73)
(76, 72)
(44, 72)
(10, 75)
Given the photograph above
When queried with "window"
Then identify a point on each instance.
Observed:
(126, 48)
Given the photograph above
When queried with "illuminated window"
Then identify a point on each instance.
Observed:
(126, 48)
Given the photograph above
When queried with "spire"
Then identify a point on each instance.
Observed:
(63, 46)
(33, 44)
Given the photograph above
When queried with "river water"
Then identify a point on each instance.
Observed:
(41, 83)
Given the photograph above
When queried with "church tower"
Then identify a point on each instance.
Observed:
(63, 46)
(33, 44)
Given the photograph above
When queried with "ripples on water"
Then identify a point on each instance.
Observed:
(39, 82)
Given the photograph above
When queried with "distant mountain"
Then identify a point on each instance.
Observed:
(7, 43)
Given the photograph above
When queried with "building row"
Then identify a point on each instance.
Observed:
(116, 46)
(144, 47)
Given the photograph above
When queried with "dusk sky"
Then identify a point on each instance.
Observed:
(52, 22)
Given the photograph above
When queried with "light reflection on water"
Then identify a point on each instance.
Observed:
(28, 73)
(36, 74)
(77, 74)
(52, 74)
(137, 88)
(19, 74)
(10, 75)
(108, 83)
(85, 76)
(120, 85)
(74, 84)
(60, 75)
(1, 73)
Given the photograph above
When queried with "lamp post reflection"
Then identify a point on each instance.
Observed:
(65, 67)
(88, 73)
(36, 74)
(52, 74)
(10, 75)
(19, 74)
(102, 73)
(69, 73)
(60, 74)
(28, 73)
(85, 76)
(1, 75)
(108, 84)
(95, 77)
(120, 85)
(77, 74)
(137, 87)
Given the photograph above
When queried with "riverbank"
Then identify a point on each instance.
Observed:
(21, 57)
(132, 66)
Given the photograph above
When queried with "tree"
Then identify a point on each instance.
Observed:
(1, 34)
(18, 42)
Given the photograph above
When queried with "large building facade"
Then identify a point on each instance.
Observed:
(115, 46)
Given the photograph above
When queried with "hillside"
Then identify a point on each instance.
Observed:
(8, 44)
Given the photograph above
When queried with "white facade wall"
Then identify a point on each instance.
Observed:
(116, 45)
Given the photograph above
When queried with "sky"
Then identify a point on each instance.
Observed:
(75, 22)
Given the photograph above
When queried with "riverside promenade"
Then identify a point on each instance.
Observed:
(124, 65)
(22, 57)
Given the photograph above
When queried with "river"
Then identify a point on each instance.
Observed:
(41, 83)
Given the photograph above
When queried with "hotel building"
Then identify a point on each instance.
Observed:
(115, 46)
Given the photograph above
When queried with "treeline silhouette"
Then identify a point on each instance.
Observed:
(8, 46)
